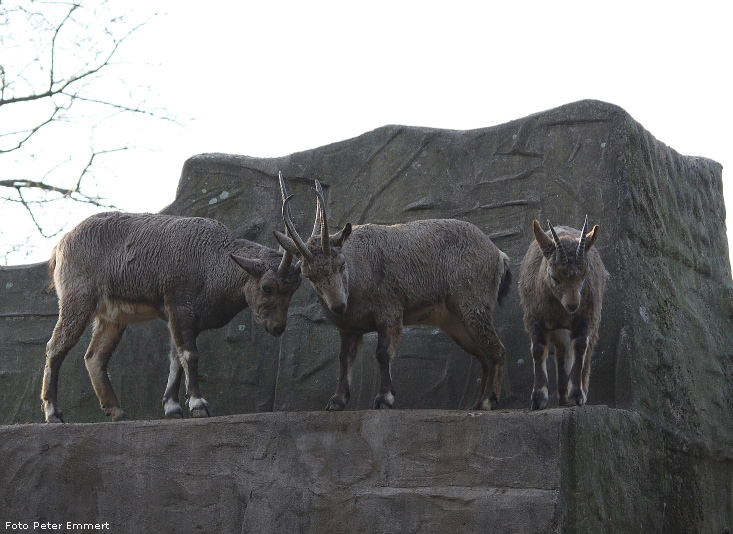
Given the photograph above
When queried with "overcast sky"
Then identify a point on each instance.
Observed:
(271, 78)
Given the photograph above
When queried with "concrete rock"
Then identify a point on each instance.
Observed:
(400, 471)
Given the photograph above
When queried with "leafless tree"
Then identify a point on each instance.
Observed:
(62, 70)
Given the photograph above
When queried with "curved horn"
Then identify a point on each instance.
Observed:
(293, 233)
(325, 238)
(558, 245)
(580, 251)
(319, 213)
(282, 270)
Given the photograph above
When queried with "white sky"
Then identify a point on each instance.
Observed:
(271, 78)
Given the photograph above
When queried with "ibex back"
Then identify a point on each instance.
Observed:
(114, 269)
(445, 273)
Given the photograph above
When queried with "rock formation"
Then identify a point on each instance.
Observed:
(663, 362)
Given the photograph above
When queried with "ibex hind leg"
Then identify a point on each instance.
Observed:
(105, 338)
(476, 335)
(74, 317)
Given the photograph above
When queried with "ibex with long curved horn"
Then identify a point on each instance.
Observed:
(445, 273)
(561, 285)
(114, 269)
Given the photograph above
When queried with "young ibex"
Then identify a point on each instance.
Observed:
(115, 269)
(561, 285)
(445, 273)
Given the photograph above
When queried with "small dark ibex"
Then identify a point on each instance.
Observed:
(561, 285)
(445, 273)
(114, 269)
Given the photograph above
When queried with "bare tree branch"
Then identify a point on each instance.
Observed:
(33, 217)
(26, 184)
(73, 45)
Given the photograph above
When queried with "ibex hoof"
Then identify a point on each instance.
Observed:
(486, 404)
(174, 414)
(539, 399)
(576, 397)
(172, 409)
(117, 415)
(199, 407)
(53, 414)
(336, 404)
(55, 418)
(383, 401)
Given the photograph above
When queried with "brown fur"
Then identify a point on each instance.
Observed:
(564, 311)
(445, 273)
(115, 269)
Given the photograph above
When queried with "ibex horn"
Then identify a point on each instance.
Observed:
(282, 270)
(325, 237)
(307, 256)
(580, 251)
(558, 246)
(319, 215)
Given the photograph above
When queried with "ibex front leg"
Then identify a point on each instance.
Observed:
(171, 405)
(184, 337)
(387, 339)
(578, 350)
(539, 357)
(350, 344)
(564, 359)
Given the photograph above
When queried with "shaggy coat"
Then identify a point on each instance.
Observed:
(446, 273)
(561, 294)
(115, 269)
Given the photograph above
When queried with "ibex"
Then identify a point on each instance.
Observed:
(445, 273)
(114, 269)
(561, 285)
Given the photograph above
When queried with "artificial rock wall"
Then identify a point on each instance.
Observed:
(667, 328)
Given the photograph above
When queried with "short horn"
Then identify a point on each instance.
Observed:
(558, 245)
(285, 263)
(325, 237)
(580, 251)
(307, 256)
(287, 260)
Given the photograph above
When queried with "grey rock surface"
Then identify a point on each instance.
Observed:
(365, 471)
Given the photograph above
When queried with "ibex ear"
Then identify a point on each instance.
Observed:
(591, 237)
(338, 239)
(252, 266)
(543, 240)
(287, 243)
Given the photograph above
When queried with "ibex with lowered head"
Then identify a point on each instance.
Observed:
(561, 285)
(369, 277)
(114, 269)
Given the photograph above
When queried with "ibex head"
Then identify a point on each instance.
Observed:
(566, 262)
(273, 280)
(271, 284)
(321, 260)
